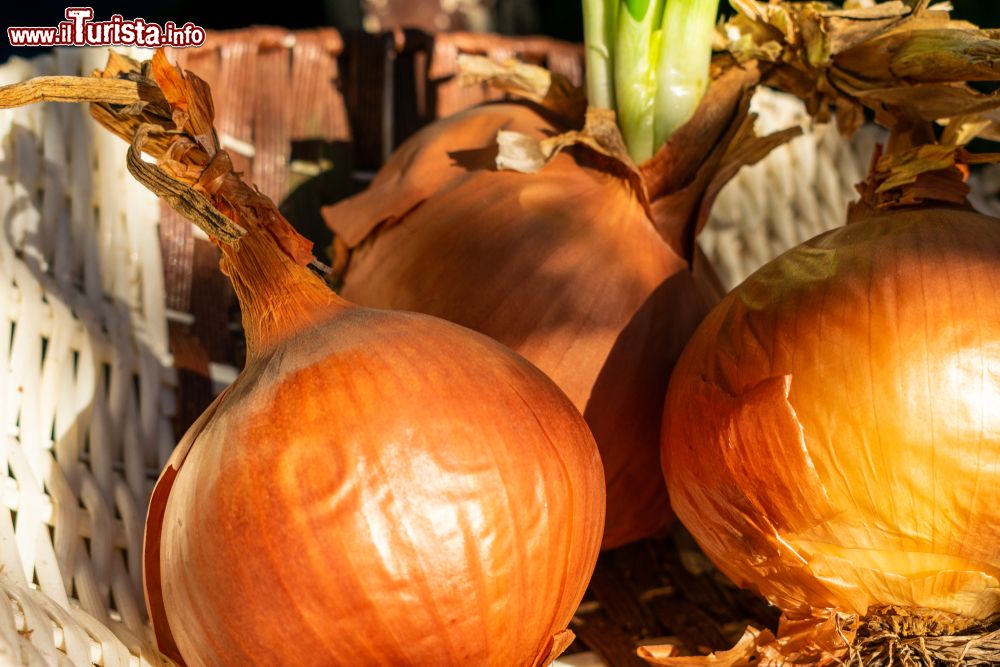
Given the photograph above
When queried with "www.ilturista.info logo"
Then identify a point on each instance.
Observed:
(80, 30)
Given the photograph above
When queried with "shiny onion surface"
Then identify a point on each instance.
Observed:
(832, 431)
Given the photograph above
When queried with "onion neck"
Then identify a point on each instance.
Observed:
(913, 170)
(279, 297)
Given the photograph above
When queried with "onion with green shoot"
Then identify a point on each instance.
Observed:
(587, 265)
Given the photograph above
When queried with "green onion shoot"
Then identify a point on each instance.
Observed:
(648, 60)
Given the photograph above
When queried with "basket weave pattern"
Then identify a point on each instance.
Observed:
(85, 386)
(800, 190)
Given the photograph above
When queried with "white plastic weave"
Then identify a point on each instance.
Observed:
(985, 184)
(85, 383)
(798, 191)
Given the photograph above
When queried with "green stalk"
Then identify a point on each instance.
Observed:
(682, 72)
(635, 78)
(599, 20)
(648, 60)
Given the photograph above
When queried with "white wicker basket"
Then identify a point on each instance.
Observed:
(800, 190)
(86, 378)
(85, 383)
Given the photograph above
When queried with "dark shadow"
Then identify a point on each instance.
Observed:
(664, 587)
(387, 91)
(476, 159)
(391, 92)
(321, 174)
(625, 407)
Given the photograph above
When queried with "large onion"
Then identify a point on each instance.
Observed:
(375, 488)
(832, 431)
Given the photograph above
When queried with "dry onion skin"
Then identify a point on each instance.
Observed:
(832, 430)
(376, 488)
(584, 267)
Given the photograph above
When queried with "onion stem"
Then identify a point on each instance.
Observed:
(648, 60)
(682, 73)
(599, 20)
(635, 82)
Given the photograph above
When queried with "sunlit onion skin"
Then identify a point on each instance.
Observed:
(376, 488)
(832, 431)
(564, 266)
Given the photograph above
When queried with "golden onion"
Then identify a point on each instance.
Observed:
(376, 487)
(832, 430)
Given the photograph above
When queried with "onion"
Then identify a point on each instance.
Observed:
(832, 435)
(376, 487)
(571, 266)
(832, 431)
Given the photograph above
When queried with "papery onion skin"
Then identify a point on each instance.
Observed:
(563, 266)
(832, 431)
(376, 488)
